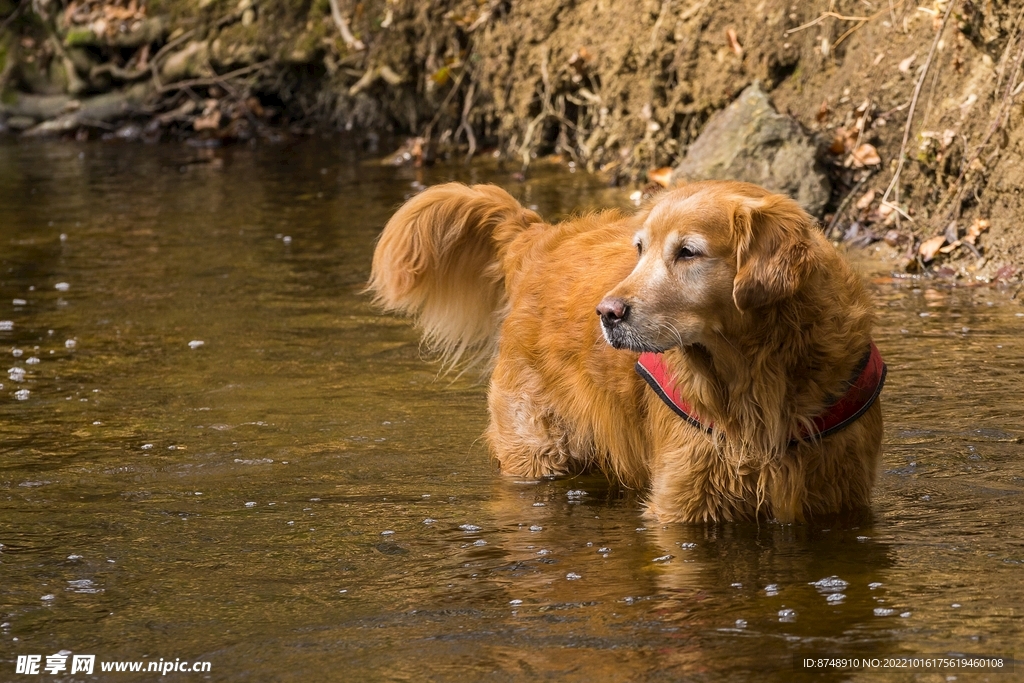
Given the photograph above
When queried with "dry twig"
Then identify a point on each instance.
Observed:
(221, 79)
(893, 184)
(353, 43)
(1011, 91)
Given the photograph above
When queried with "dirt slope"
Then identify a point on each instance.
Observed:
(620, 88)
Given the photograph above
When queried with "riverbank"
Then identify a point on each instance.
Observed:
(622, 91)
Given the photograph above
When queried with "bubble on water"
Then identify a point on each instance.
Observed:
(687, 546)
(147, 446)
(16, 374)
(480, 542)
(577, 494)
(48, 597)
(97, 423)
(83, 586)
(31, 360)
(6, 325)
(22, 394)
(874, 584)
(17, 353)
(572, 576)
(641, 528)
(787, 615)
(741, 623)
(536, 527)
(904, 615)
(663, 558)
(74, 558)
(539, 505)
(195, 344)
(470, 527)
(256, 461)
(429, 520)
(771, 589)
(867, 538)
(314, 500)
(251, 504)
(291, 523)
(19, 302)
(70, 344)
(62, 286)
(287, 239)
(835, 598)
(388, 532)
(830, 584)
(884, 612)
(604, 550)
(736, 585)
(515, 602)
(543, 551)
(955, 605)
(343, 590)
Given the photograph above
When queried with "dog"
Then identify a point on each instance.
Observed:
(729, 371)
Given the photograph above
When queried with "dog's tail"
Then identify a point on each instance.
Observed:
(439, 260)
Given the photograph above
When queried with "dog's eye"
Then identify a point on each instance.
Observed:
(639, 249)
(685, 254)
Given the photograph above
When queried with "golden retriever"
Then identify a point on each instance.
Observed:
(740, 308)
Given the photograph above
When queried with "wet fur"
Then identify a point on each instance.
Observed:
(763, 330)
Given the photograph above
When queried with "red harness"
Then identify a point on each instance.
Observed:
(865, 386)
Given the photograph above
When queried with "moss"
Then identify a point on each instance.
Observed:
(80, 37)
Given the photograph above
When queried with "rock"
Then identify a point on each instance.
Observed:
(750, 141)
(191, 62)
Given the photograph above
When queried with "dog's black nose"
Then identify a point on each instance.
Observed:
(612, 311)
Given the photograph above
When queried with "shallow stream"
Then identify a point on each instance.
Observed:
(299, 497)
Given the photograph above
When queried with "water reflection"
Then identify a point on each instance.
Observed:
(301, 497)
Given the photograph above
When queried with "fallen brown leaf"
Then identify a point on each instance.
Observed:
(930, 247)
(822, 111)
(866, 155)
(975, 229)
(734, 42)
(865, 201)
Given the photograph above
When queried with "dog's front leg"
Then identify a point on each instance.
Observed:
(690, 482)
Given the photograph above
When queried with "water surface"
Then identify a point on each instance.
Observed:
(300, 497)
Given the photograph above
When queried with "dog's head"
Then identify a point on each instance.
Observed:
(706, 254)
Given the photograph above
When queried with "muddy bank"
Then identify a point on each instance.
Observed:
(620, 89)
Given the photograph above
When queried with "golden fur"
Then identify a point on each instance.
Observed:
(761, 320)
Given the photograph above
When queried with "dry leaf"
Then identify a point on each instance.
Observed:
(662, 176)
(822, 111)
(734, 42)
(979, 226)
(904, 66)
(838, 142)
(209, 122)
(865, 201)
(866, 155)
(930, 247)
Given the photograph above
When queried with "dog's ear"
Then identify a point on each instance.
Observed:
(773, 252)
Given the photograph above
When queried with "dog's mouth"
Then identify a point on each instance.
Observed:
(621, 335)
